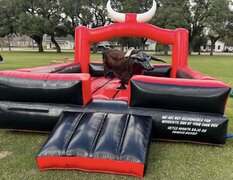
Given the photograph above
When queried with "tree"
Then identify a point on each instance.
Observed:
(50, 11)
(172, 14)
(8, 17)
(99, 16)
(191, 15)
(198, 42)
(30, 22)
(228, 39)
(199, 12)
(72, 11)
(217, 20)
(90, 13)
(37, 18)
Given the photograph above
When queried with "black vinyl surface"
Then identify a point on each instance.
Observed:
(34, 90)
(100, 135)
(177, 97)
(69, 69)
(159, 71)
(74, 68)
(97, 70)
(185, 75)
(190, 127)
(167, 124)
(29, 116)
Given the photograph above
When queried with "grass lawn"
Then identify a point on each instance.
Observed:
(166, 160)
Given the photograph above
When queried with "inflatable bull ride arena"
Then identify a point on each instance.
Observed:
(97, 126)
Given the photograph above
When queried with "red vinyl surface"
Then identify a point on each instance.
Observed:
(122, 95)
(97, 83)
(86, 89)
(108, 91)
(103, 88)
(91, 164)
(46, 67)
(195, 74)
(46, 76)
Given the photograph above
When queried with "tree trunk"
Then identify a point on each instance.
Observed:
(165, 49)
(143, 43)
(213, 40)
(190, 48)
(56, 44)
(40, 46)
(9, 43)
(94, 48)
(39, 41)
(212, 48)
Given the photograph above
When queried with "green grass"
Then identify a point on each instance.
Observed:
(165, 160)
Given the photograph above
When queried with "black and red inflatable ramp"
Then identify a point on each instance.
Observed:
(99, 142)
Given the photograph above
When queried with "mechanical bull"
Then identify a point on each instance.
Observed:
(124, 65)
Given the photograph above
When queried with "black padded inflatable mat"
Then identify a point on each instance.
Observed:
(99, 142)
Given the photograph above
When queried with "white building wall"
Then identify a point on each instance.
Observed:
(218, 46)
(229, 48)
(150, 45)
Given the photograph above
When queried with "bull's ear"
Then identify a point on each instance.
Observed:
(136, 56)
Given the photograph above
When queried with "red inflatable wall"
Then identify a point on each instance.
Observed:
(178, 38)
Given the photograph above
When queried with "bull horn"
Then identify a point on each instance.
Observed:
(116, 16)
(129, 52)
(145, 17)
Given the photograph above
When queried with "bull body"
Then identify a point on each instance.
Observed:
(124, 66)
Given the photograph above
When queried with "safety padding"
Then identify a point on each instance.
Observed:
(74, 68)
(159, 71)
(99, 142)
(208, 96)
(56, 68)
(44, 87)
(30, 117)
(190, 127)
(189, 73)
(96, 69)
(169, 125)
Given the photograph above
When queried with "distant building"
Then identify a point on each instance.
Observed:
(64, 42)
(218, 46)
(21, 41)
(105, 45)
(228, 48)
(24, 41)
(16, 41)
(150, 45)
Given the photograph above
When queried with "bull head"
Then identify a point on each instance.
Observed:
(143, 59)
(121, 17)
